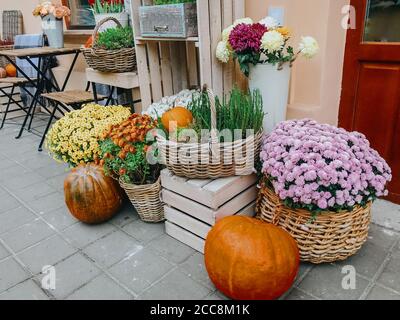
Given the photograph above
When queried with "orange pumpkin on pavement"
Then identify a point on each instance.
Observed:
(179, 115)
(248, 259)
(11, 70)
(90, 195)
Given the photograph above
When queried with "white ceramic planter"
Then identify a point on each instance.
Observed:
(122, 17)
(54, 30)
(274, 88)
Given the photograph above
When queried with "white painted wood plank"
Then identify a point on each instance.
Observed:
(191, 207)
(127, 80)
(199, 183)
(155, 71)
(185, 237)
(228, 68)
(191, 57)
(215, 32)
(166, 70)
(185, 221)
(204, 42)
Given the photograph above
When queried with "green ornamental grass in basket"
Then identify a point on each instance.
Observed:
(223, 140)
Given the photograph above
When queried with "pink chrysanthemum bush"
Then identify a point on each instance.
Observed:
(320, 167)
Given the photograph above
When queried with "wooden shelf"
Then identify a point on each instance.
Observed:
(78, 32)
(144, 39)
(127, 80)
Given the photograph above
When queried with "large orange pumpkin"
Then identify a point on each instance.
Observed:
(11, 70)
(90, 195)
(248, 259)
(182, 116)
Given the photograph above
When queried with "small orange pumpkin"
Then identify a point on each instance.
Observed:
(90, 195)
(179, 115)
(3, 73)
(11, 70)
(89, 42)
(248, 259)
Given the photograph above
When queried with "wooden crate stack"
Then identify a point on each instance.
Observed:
(193, 206)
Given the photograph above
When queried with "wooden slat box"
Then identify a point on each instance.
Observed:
(194, 206)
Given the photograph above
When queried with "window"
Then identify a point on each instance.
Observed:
(82, 17)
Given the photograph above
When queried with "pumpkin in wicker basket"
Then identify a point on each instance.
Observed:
(125, 153)
(319, 184)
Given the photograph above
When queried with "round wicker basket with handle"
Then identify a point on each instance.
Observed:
(330, 237)
(213, 159)
(146, 200)
(114, 61)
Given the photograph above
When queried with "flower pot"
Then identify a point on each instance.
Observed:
(122, 17)
(54, 30)
(146, 200)
(274, 88)
(330, 237)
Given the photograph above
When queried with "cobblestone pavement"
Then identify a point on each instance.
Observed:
(128, 259)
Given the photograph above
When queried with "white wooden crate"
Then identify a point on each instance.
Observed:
(193, 206)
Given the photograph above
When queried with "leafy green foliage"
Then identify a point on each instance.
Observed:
(241, 111)
(116, 38)
(110, 6)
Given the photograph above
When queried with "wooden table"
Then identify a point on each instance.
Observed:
(42, 68)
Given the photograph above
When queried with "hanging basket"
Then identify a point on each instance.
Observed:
(114, 61)
(146, 200)
(211, 160)
(330, 237)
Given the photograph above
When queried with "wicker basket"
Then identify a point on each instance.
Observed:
(3, 60)
(114, 61)
(331, 237)
(211, 160)
(146, 200)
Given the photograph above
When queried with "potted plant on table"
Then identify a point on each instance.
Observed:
(265, 55)
(126, 151)
(319, 183)
(109, 8)
(52, 22)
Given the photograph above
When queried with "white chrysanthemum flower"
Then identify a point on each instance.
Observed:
(243, 20)
(270, 22)
(308, 47)
(223, 53)
(227, 32)
(272, 41)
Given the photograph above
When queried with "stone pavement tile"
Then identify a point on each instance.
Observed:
(12, 172)
(26, 290)
(390, 276)
(171, 249)
(47, 252)
(15, 218)
(8, 202)
(370, 257)
(296, 294)
(27, 235)
(11, 273)
(141, 270)
(127, 214)
(176, 286)
(80, 234)
(195, 268)
(6, 163)
(386, 214)
(57, 182)
(52, 170)
(113, 248)
(60, 218)
(23, 181)
(34, 192)
(3, 252)
(101, 288)
(304, 267)
(71, 274)
(325, 282)
(48, 203)
(380, 293)
(144, 232)
(35, 160)
(215, 296)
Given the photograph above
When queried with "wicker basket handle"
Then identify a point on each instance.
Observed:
(98, 26)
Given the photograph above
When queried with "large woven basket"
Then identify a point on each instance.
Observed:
(330, 237)
(211, 160)
(146, 200)
(114, 61)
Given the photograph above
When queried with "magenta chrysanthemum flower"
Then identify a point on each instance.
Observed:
(322, 167)
(245, 37)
